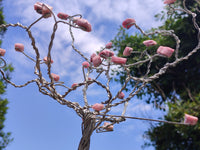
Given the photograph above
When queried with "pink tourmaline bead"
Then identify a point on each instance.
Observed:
(2, 52)
(19, 47)
(92, 56)
(109, 45)
(188, 119)
(127, 51)
(108, 126)
(169, 1)
(96, 61)
(47, 60)
(74, 85)
(55, 77)
(106, 53)
(121, 95)
(85, 64)
(149, 43)
(128, 23)
(166, 51)
(118, 60)
(43, 9)
(98, 107)
(63, 16)
(83, 23)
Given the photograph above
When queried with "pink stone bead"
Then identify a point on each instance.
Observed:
(166, 51)
(149, 43)
(109, 45)
(108, 126)
(121, 95)
(169, 1)
(2, 52)
(118, 60)
(85, 64)
(192, 120)
(127, 51)
(106, 53)
(43, 9)
(47, 60)
(98, 107)
(63, 16)
(96, 61)
(83, 23)
(55, 77)
(74, 85)
(92, 56)
(128, 23)
(19, 47)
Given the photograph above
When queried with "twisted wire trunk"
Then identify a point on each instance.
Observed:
(88, 126)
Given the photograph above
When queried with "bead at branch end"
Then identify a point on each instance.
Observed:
(106, 53)
(109, 45)
(85, 64)
(2, 52)
(83, 24)
(129, 22)
(118, 60)
(98, 107)
(55, 77)
(169, 1)
(43, 9)
(19, 47)
(92, 56)
(47, 60)
(63, 16)
(107, 126)
(127, 51)
(74, 85)
(165, 51)
(191, 120)
(148, 43)
(121, 95)
(96, 61)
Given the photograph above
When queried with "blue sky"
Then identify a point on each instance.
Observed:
(39, 122)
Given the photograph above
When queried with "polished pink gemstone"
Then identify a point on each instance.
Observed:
(166, 51)
(85, 64)
(121, 95)
(74, 85)
(43, 9)
(55, 77)
(2, 52)
(63, 16)
(109, 45)
(169, 1)
(96, 61)
(149, 43)
(192, 120)
(98, 107)
(127, 51)
(19, 47)
(108, 126)
(83, 23)
(106, 53)
(47, 60)
(128, 23)
(92, 56)
(118, 60)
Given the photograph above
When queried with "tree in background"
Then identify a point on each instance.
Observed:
(179, 87)
(5, 137)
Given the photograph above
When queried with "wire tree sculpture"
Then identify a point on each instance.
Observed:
(97, 116)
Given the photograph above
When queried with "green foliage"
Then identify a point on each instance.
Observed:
(176, 137)
(5, 137)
